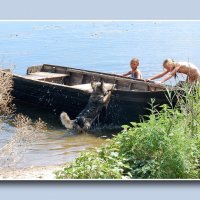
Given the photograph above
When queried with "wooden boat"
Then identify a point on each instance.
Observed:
(68, 89)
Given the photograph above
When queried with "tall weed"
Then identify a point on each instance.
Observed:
(25, 131)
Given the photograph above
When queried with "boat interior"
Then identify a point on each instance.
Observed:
(81, 79)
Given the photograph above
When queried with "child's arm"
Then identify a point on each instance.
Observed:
(158, 76)
(171, 74)
(126, 74)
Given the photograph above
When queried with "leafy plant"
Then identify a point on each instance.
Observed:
(167, 145)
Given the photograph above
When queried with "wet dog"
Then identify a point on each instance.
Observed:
(98, 99)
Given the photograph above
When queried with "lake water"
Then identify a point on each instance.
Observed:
(105, 46)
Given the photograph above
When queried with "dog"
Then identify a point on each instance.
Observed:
(98, 99)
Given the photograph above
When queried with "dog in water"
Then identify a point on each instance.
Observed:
(98, 99)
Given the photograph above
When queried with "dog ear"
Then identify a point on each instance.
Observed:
(102, 83)
(92, 85)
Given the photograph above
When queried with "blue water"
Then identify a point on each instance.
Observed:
(105, 46)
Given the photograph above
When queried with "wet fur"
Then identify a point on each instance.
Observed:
(98, 99)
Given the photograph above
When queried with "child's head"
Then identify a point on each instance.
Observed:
(134, 63)
(168, 64)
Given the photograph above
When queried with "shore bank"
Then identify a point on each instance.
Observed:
(31, 173)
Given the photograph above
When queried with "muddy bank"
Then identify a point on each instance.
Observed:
(32, 173)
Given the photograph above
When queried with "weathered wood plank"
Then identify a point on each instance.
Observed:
(44, 75)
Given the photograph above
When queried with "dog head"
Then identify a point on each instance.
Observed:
(98, 87)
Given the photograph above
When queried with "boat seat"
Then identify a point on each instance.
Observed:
(45, 75)
(88, 87)
(85, 87)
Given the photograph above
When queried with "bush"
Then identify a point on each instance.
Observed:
(6, 86)
(25, 131)
(166, 146)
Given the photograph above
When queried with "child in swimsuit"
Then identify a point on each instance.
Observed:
(135, 72)
(172, 67)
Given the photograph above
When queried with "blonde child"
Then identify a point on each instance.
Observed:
(134, 72)
(172, 67)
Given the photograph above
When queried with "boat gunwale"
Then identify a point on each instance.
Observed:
(87, 91)
(162, 88)
(149, 83)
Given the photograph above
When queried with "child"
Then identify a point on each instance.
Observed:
(172, 67)
(135, 72)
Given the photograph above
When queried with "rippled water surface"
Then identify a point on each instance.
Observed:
(104, 46)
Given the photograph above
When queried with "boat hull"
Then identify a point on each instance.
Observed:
(124, 106)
